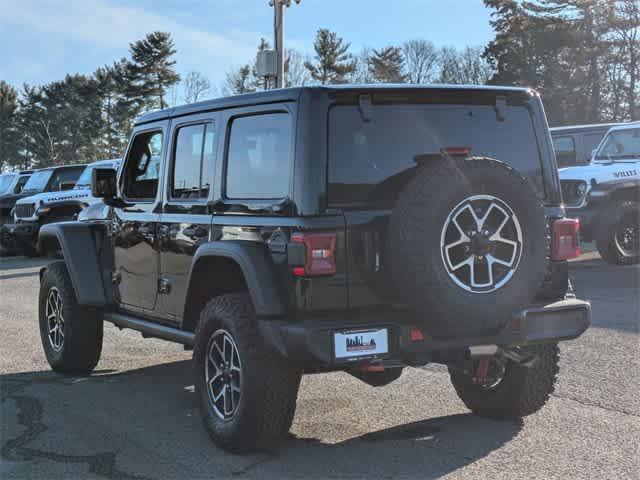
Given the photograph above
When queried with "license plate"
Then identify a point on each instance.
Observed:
(361, 343)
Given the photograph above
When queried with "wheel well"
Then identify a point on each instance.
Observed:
(211, 276)
(629, 193)
(49, 245)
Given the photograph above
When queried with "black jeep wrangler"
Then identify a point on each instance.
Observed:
(318, 229)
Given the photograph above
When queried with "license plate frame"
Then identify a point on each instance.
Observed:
(352, 344)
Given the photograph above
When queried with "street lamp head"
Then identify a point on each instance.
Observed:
(285, 3)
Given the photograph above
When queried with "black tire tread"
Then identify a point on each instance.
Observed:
(604, 238)
(83, 325)
(523, 391)
(272, 406)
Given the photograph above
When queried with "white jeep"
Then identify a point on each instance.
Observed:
(605, 195)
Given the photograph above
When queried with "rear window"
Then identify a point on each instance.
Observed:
(369, 161)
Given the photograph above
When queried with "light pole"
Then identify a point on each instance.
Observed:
(278, 36)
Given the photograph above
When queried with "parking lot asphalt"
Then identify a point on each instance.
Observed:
(137, 417)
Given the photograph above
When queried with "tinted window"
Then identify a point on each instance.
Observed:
(65, 175)
(5, 182)
(37, 181)
(187, 162)
(621, 145)
(143, 166)
(370, 161)
(591, 142)
(21, 183)
(259, 157)
(564, 145)
(193, 162)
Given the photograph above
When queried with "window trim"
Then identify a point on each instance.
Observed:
(172, 159)
(258, 201)
(125, 164)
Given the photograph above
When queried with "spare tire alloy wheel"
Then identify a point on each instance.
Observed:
(55, 319)
(223, 374)
(481, 244)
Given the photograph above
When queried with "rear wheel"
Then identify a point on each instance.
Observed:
(618, 240)
(247, 393)
(71, 334)
(507, 389)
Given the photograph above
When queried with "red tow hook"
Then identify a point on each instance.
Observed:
(483, 369)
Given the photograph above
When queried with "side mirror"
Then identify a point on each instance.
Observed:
(104, 184)
(67, 186)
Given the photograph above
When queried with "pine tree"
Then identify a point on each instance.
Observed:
(152, 67)
(8, 125)
(387, 65)
(333, 60)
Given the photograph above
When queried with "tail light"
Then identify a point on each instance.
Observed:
(319, 257)
(456, 151)
(565, 242)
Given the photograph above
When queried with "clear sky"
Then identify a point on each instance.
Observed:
(43, 40)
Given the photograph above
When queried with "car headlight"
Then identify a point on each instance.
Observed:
(581, 189)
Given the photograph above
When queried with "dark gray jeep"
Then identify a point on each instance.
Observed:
(361, 229)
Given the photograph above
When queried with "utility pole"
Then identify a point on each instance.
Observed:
(278, 36)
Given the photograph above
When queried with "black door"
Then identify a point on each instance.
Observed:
(186, 217)
(135, 225)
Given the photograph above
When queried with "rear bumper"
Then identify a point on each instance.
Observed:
(18, 236)
(310, 342)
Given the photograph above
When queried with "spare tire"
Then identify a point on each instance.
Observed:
(467, 245)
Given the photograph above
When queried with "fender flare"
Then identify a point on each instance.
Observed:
(256, 266)
(83, 266)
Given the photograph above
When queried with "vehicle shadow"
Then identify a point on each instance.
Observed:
(613, 291)
(20, 263)
(145, 424)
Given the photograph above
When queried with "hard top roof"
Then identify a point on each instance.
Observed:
(580, 128)
(55, 167)
(626, 126)
(292, 94)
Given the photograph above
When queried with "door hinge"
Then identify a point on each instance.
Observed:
(164, 285)
(116, 278)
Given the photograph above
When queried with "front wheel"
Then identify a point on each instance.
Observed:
(618, 240)
(247, 393)
(510, 390)
(71, 334)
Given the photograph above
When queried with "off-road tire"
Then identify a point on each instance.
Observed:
(523, 390)
(605, 237)
(269, 387)
(414, 246)
(83, 326)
